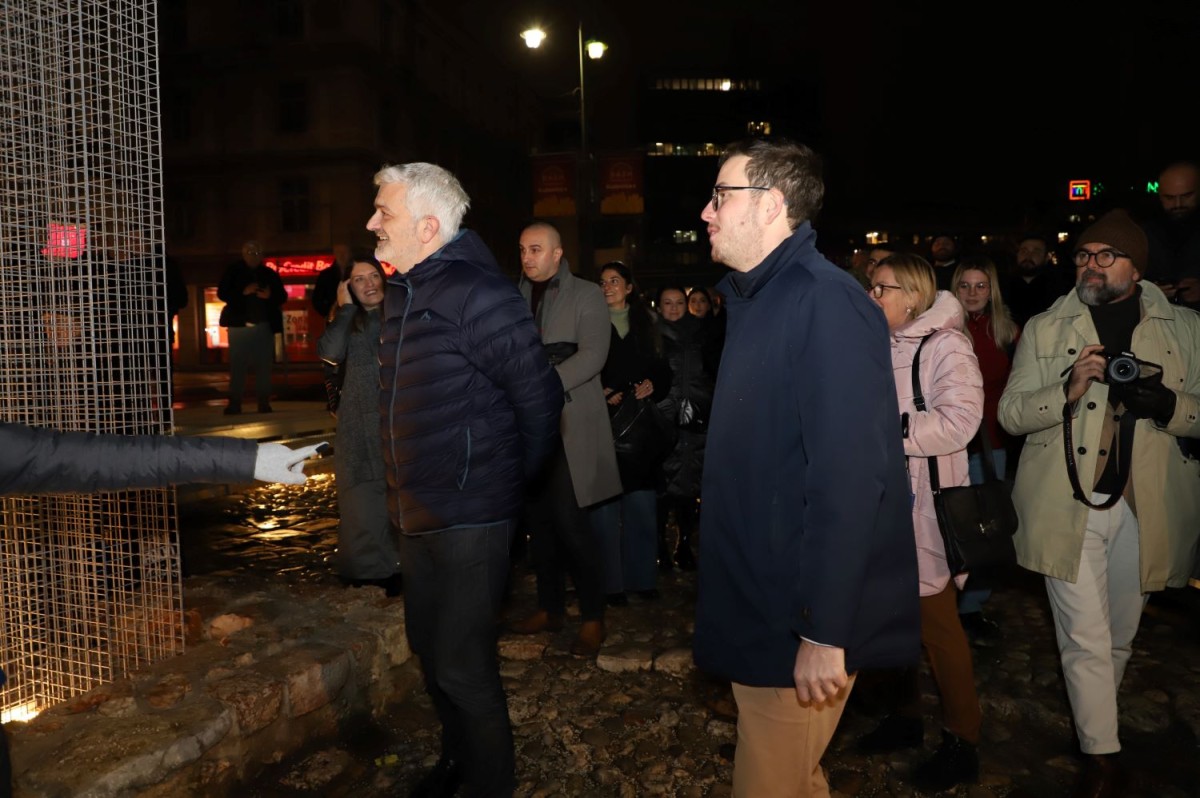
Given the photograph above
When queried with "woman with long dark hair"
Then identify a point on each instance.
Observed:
(634, 371)
(368, 551)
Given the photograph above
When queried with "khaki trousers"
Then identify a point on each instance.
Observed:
(781, 742)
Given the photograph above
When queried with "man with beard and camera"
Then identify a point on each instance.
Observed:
(1106, 387)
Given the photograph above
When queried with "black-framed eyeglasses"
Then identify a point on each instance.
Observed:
(719, 190)
(878, 289)
(1104, 258)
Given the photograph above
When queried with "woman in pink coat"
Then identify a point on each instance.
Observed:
(904, 287)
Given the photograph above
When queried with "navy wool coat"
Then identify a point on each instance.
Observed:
(806, 528)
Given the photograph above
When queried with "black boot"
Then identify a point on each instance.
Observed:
(893, 733)
(955, 762)
(686, 517)
(441, 782)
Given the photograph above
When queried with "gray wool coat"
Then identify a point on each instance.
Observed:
(359, 454)
(573, 310)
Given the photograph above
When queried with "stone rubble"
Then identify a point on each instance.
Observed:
(639, 720)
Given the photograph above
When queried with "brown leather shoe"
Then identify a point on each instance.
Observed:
(540, 621)
(591, 635)
(1103, 777)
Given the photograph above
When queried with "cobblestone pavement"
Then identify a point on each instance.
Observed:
(625, 726)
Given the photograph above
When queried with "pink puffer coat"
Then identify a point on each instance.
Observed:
(953, 390)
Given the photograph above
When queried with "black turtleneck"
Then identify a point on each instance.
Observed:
(1114, 324)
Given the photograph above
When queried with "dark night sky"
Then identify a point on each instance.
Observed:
(987, 105)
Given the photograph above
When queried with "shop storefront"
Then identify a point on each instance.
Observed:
(302, 326)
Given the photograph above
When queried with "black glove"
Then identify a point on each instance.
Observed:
(1149, 398)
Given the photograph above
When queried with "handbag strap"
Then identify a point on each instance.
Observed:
(989, 468)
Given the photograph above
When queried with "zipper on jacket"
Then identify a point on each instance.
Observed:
(408, 291)
(466, 469)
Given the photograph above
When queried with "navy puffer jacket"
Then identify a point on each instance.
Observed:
(469, 403)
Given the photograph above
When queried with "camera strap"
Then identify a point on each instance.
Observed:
(1123, 453)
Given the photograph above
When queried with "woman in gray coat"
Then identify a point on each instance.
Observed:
(367, 544)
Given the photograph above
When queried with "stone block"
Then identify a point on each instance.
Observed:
(315, 674)
(255, 699)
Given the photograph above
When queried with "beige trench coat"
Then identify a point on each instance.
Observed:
(574, 311)
(1165, 484)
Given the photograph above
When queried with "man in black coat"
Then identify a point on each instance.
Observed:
(808, 563)
(1036, 281)
(470, 410)
(253, 295)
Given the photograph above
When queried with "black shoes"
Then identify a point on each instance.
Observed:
(233, 409)
(392, 585)
(954, 762)
(265, 407)
(648, 595)
(1103, 777)
(893, 733)
(442, 781)
(616, 600)
(979, 629)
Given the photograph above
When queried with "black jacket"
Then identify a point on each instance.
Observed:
(469, 403)
(242, 309)
(631, 360)
(49, 461)
(691, 350)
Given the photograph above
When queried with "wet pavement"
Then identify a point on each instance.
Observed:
(623, 726)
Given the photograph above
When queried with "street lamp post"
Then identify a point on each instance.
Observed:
(585, 195)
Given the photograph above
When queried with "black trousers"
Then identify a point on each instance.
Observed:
(562, 542)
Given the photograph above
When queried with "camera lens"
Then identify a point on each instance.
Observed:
(1122, 369)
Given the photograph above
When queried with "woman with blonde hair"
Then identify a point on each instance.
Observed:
(994, 335)
(920, 316)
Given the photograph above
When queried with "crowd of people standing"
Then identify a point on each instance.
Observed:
(795, 424)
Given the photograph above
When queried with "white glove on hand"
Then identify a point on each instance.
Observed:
(278, 463)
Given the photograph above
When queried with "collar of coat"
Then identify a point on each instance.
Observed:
(1155, 304)
(792, 248)
(465, 246)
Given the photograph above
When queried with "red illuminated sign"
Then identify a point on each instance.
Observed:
(299, 265)
(1079, 190)
(65, 240)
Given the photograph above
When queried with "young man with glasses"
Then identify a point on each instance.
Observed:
(807, 566)
(1128, 525)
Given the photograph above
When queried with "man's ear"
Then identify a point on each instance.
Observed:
(428, 228)
(775, 205)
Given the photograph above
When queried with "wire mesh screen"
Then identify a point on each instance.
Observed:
(90, 584)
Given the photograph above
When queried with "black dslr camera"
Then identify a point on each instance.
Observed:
(1122, 368)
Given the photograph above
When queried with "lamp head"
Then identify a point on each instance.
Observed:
(533, 37)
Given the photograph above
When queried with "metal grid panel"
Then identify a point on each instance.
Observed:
(90, 584)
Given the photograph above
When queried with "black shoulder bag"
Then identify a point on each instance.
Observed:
(977, 522)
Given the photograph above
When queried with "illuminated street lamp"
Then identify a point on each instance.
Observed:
(595, 49)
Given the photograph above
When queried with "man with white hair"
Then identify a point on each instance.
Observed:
(469, 411)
